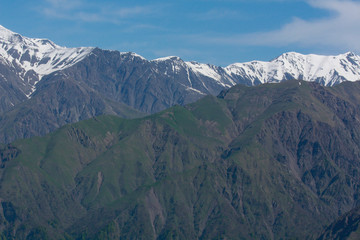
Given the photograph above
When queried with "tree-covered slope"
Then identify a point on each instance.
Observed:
(268, 162)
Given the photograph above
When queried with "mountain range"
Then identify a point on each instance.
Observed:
(275, 161)
(44, 86)
(175, 149)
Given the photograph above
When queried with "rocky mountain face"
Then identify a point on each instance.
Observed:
(276, 161)
(36, 73)
(345, 227)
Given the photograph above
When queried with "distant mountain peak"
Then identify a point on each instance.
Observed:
(83, 77)
(10, 37)
(5, 34)
(327, 70)
(169, 58)
(131, 54)
(350, 54)
(41, 56)
(31, 58)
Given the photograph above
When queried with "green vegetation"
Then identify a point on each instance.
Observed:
(278, 161)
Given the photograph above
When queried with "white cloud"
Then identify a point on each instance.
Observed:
(64, 4)
(131, 11)
(78, 10)
(214, 14)
(341, 30)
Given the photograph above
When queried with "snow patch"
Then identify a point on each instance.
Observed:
(163, 59)
(195, 90)
(132, 54)
(204, 69)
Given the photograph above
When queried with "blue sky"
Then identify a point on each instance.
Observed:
(220, 32)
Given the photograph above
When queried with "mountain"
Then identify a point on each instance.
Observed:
(24, 61)
(44, 86)
(24, 64)
(327, 70)
(345, 227)
(275, 161)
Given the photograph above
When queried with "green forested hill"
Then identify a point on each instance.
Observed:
(277, 161)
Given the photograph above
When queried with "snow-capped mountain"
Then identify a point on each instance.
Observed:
(198, 77)
(31, 59)
(44, 86)
(327, 70)
(34, 58)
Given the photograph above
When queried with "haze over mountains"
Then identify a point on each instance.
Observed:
(56, 85)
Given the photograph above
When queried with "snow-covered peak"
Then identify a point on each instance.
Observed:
(6, 34)
(41, 56)
(328, 70)
(169, 58)
(350, 54)
(12, 39)
(132, 54)
(33, 58)
(207, 70)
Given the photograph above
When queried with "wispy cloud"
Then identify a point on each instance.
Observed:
(63, 4)
(341, 30)
(132, 11)
(214, 14)
(78, 10)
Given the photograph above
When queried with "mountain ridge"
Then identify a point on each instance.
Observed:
(296, 65)
(29, 71)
